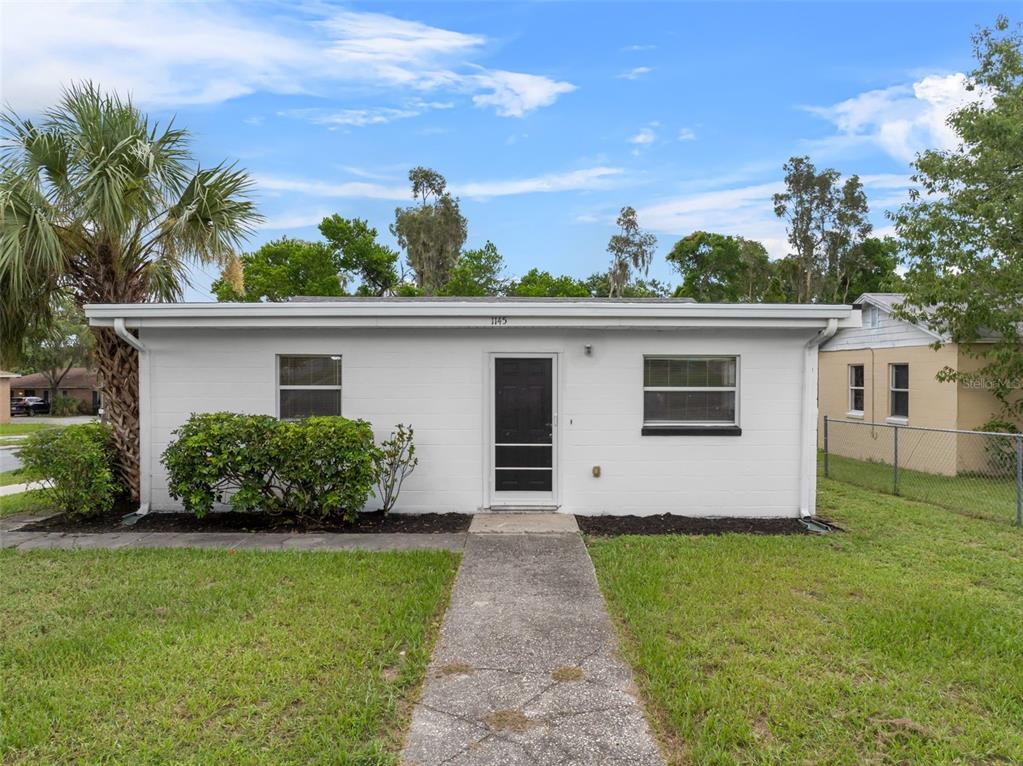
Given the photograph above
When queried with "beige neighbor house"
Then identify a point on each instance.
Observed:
(78, 383)
(5, 395)
(886, 372)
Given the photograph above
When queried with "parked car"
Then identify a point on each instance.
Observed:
(29, 405)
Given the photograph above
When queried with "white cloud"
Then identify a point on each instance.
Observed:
(902, 120)
(359, 118)
(317, 188)
(573, 180)
(512, 94)
(631, 48)
(646, 135)
(635, 73)
(748, 211)
(175, 54)
(745, 211)
(686, 134)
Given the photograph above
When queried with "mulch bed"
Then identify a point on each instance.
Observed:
(230, 521)
(670, 524)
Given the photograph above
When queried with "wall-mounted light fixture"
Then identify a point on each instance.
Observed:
(589, 349)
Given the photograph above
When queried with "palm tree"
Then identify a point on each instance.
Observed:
(102, 206)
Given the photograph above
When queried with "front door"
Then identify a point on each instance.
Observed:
(524, 427)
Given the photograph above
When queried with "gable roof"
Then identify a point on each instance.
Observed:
(889, 302)
(77, 377)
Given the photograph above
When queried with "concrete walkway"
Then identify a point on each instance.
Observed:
(525, 670)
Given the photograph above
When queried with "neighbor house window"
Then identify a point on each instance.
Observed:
(689, 392)
(309, 385)
(899, 396)
(856, 388)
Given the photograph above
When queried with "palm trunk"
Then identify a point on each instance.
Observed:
(118, 367)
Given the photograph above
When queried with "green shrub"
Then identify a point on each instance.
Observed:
(1001, 450)
(396, 460)
(63, 406)
(78, 465)
(313, 468)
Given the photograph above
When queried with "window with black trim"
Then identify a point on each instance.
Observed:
(690, 392)
(308, 386)
(856, 388)
(899, 393)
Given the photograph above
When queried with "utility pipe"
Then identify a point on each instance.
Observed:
(808, 457)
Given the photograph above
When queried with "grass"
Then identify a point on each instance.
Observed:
(199, 657)
(984, 496)
(28, 426)
(895, 642)
(17, 476)
(34, 501)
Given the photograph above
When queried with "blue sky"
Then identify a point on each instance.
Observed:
(545, 118)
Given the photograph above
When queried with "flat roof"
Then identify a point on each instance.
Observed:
(473, 312)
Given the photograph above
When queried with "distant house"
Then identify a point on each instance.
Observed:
(885, 372)
(5, 394)
(80, 383)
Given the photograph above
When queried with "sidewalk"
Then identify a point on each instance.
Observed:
(526, 670)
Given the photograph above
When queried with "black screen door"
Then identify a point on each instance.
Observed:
(523, 424)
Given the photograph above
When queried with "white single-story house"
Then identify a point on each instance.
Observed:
(588, 406)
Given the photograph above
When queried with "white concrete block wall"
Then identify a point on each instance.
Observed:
(437, 380)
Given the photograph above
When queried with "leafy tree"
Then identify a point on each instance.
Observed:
(630, 248)
(827, 221)
(432, 232)
(361, 255)
(871, 269)
(282, 269)
(100, 205)
(477, 273)
(599, 285)
(963, 230)
(54, 348)
(541, 284)
(717, 268)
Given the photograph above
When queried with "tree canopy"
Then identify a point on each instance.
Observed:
(631, 248)
(717, 268)
(477, 273)
(826, 223)
(282, 269)
(963, 228)
(432, 232)
(360, 255)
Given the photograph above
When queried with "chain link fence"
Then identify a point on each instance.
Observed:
(972, 472)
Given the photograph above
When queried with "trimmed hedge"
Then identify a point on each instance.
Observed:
(315, 468)
(79, 465)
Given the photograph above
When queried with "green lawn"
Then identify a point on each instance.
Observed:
(12, 477)
(34, 501)
(899, 641)
(975, 495)
(24, 426)
(204, 657)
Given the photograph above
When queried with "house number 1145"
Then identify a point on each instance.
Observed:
(498, 321)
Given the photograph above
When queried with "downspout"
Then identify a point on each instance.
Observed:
(122, 332)
(808, 458)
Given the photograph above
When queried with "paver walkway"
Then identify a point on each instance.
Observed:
(525, 670)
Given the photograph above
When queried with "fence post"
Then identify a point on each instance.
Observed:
(827, 473)
(1019, 480)
(896, 461)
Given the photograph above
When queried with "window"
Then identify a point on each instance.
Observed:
(687, 394)
(856, 388)
(899, 396)
(308, 385)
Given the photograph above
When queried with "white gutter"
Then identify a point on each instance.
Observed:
(808, 445)
(122, 332)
